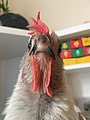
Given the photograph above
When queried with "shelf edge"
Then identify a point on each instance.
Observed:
(13, 31)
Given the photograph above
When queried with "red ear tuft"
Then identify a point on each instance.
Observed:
(38, 26)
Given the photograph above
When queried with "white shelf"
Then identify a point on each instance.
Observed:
(74, 32)
(77, 66)
(13, 31)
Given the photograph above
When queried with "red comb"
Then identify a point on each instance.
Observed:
(38, 26)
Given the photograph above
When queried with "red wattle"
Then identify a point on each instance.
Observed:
(49, 74)
(49, 91)
(35, 73)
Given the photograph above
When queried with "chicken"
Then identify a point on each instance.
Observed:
(41, 92)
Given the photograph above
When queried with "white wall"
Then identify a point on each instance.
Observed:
(2, 97)
(11, 74)
(57, 14)
(9, 70)
(80, 83)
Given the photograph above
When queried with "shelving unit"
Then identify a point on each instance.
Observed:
(13, 42)
(82, 30)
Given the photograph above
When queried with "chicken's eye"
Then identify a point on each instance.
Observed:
(59, 48)
(29, 43)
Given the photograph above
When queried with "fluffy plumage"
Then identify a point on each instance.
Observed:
(37, 104)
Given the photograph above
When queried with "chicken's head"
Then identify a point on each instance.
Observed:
(44, 48)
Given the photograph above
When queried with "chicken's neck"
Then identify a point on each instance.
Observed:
(56, 75)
